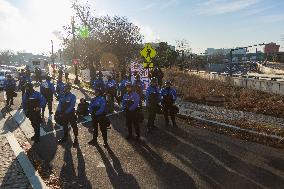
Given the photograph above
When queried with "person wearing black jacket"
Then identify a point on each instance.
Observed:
(168, 98)
(152, 103)
(10, 87)
(32, 103)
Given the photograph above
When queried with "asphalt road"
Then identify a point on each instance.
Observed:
(183, 157)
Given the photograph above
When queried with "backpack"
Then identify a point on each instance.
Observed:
(46, 91)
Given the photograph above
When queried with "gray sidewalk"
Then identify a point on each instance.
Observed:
(11, 173)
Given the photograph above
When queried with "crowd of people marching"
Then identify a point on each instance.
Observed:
(130, 96)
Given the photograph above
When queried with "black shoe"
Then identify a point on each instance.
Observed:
(62, 140)
(32, 138)
(106, 145)
(128, 137)
(75, 143)
(93, 142)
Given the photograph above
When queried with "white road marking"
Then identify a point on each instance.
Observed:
(5, 97)
(89, 118)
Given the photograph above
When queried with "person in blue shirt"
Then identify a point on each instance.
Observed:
(9, 88)
(138, 86)
(111, 92)
(32, 102)
(24, 79)
(122, 87)
(59, 88)
(47, 90)
(130, 105)
(152, 103)
(66, 112)
(99, 83)
(97, 109)
(168, 98)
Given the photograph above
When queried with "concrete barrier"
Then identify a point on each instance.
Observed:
(273, 87)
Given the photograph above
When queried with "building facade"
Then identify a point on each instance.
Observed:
(271, 48)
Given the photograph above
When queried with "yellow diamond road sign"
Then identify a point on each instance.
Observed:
(148, 52)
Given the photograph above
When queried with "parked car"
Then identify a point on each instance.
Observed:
(3, 74)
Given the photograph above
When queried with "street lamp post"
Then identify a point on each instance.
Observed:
(76, 81)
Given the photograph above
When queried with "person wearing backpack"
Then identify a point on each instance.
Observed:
(82, 108)
(47, 90)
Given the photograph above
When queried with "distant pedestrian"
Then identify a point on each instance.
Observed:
(59, 88)
(66, 74)
(111, 93)
(24, 79)
(47, 90)
(60, 74)
(38, 75)
(99, 82)
(10, 89)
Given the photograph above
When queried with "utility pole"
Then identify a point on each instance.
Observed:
(52, 58)
(231, 61)
(76, 81)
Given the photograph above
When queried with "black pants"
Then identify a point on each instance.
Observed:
(35, 119)
(10, 98)
(167, 110)
(131, 120)
(152, 111)
(69, 119)
(49, 105)
(23, 91)
(98, 121)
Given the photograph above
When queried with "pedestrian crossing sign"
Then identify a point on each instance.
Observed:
(148, 52)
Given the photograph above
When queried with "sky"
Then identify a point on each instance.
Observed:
(30, 25)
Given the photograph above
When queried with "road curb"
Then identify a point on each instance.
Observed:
(224, 125)
(30, 172)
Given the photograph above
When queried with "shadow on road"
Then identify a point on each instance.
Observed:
(171, 176)
(118, 178)
(68, 173)
(213, 160)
